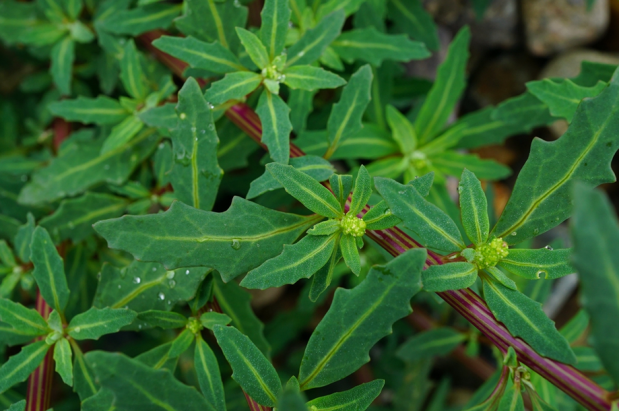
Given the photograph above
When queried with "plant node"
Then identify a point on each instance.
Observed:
(353, 225)
(491, 253)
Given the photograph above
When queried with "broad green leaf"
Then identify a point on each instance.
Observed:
(23, 237)
(345, 118)
(423, 184)
(199, 54)
(73, 8)
(450, 276)
(275, 17)
(235, 302)
(20, 324)
(6, 255)
(307, 190)
(43, 34)
(316, 167)
(142, 19)
(132, 76)
(593, 72)
(251, 369)
(74, 217)
(162, 162)
(402, 130)
(350, 254)
(361, 192)
(323, 278)
(325, 228)
(131, 189)
(446, 90)
(583, 153)
(181, 343)
(254, 47)
(273, 113)
(314, 41)
(595, 235)
(374, 47)
(538, 264)
(161, 319)
(16, 18)
(122, 134)
(298, 261)
(234, 86)
(434, 342)
(195, 175)
(48, 270)
(210, 319)
(356, 399)
(63, 54)
(80, 166)
(525, 111)
(341, 186)
(211, 20)
(146, 286)
(101, 111)
(209, 378)
(95, 323)
(62, 360)
(185, 237)
(311, 78)
(159, 357)
(83, 378)
(103, 400)
(453, 163)
(291, 398)
(525, 319)
(411, 17)
(19, 366)
(302, 100)
(160, 116)
(563, 97)
(135, 386)
(473, 203)
(433, 227)
(358, 318)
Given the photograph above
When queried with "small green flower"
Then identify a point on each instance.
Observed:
(353, 225)
(489, 254)
(194, 325)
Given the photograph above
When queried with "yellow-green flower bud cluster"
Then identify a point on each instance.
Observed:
(490, 254)
(353, 225)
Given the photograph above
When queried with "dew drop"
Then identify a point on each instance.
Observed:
(119, 286)
(77, 329)
(154, 269)
(548, 247)
(235, 244)
(401, 192)
(170, 274)
(193, 130)
(187, 272)
(161, 296)
(136, 280)
(203, 131)
(541, 272)
(140, 326)
(301, 53)
(172, 284)
(513, 234)
(182, 116)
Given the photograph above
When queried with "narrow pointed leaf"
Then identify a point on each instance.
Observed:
(274, 117)
(199, 54)
(275, 17)
(62, 360)
(23, 237)
(122, 133)
(160, 116)
(361, 192)
(538, 264)
(181, 343)
(101, 110)
(254, 47)
(185, 237)
(19, 366)
(356, 399)
(196, 174)
(143, 286)
(595, 235)
(374, 47)
(434, 342)
(586, 149)
(210, 319)
(95, 323)
(525, 110)
(524, 318)
(314, 41)
(235, 301)
(453, 163)
(48, 270)
(563, 97)
(142, 19)
(446, 90)
(380, 217)
(251, 369)
(209, 377)
(84, 380)
(234, 86)
(307, 190)
(323, 278)
(411, 17)
(341, 186)
(390, 167)
(63, 55)
(311, 78)
(348, 248)
(325, 228)
(433, 226)
(473, 204)
(298, 261)
(27, 321)
(358, 318)
(132, 76)
(135, 386)
(511, 399)
(74, 217)
(402, 130)
(161, 319)
(450, 276)
(345, 118)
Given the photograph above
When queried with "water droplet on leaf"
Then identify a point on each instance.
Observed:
(235, 244)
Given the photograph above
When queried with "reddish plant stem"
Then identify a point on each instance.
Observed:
(39, 391)
(465, 301)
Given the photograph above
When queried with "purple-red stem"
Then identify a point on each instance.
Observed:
(39, 392)
(465, 301)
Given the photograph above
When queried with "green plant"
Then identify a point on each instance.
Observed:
(159, 176)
